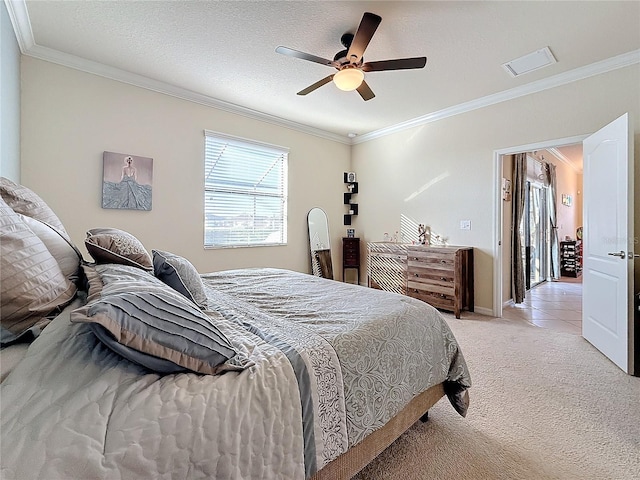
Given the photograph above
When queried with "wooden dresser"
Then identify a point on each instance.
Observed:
(440, 276)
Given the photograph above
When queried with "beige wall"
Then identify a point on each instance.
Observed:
(69, 118)
(443, 172)
(437, 174)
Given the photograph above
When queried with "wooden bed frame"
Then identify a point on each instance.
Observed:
(360, 455)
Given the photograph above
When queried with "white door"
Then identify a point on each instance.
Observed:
(608, 245)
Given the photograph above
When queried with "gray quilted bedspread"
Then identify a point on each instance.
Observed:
(390, 347)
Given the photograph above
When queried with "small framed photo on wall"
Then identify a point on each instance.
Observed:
(351, 232)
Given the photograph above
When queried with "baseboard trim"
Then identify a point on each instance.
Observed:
(483, 311)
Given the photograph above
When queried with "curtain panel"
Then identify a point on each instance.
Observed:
(518, 285)
(553, 221)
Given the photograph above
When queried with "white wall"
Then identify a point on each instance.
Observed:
(9, 99)
(443, 172)
(69, 118)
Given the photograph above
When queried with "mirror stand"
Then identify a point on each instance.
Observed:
(319, 245)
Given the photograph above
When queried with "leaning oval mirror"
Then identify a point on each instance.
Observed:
(319, 245)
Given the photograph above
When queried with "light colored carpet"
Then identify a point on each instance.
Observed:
(544, 405)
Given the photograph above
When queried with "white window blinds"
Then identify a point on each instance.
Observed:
(245, 192)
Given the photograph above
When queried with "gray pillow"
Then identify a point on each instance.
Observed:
(149, 361)
(181, 275)
(147, 317)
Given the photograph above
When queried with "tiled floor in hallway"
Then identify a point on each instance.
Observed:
(553, 305)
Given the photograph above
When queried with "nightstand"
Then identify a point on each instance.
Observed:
(351, 255)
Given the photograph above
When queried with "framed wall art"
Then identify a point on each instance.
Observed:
(126, 181)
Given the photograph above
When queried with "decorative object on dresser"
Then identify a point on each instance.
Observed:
(571, 258)
(422, 234)
(351, 255)
(352, 187)
(387, 266)
(441, 276)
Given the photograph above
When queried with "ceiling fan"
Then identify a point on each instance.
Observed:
(349, 62)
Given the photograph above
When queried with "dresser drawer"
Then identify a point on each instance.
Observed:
(446, 301)
(434, 286)
(437, 261)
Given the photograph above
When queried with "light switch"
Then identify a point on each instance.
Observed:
(465, 224)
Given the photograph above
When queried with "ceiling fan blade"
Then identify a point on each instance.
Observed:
(365, 92)
(367, 28)
(397, 64)
(305, 56)
(318, 84)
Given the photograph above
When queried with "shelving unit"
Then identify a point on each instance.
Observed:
(571, 258)
(352, 188)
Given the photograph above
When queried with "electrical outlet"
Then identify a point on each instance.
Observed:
(465, 224)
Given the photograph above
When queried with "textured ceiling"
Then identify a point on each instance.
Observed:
(226, 49)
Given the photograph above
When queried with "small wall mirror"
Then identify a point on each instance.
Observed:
(319, 245)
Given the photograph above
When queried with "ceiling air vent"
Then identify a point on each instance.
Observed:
(528, 63)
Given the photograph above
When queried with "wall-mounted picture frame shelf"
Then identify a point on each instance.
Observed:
(352, 189)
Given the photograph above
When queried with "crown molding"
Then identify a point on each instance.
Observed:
(563, 158)
(597, 68)
(88, 66)
(22, 26)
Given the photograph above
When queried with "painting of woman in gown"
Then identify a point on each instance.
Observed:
(126, 181)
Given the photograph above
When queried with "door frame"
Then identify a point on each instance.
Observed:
(498, 206)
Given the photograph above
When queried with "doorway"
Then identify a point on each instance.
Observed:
(537, 233)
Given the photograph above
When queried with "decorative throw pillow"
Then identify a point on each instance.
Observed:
(32, 284)
(181, 275)
(110, 245)
(147, 322)
(26, 202)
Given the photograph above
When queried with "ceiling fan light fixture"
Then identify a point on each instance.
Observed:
(348, 79)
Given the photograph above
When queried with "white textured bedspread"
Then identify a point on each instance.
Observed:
(332, 363)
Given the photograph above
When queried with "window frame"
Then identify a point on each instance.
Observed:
(208, 189)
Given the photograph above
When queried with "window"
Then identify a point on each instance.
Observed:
(245, 192)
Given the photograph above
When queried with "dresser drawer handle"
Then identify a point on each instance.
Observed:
(416, 274)
(443, 261)
(442, 295)
(415, 290)
(415, 258)
(443, 278)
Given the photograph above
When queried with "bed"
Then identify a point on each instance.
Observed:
(152, 370)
